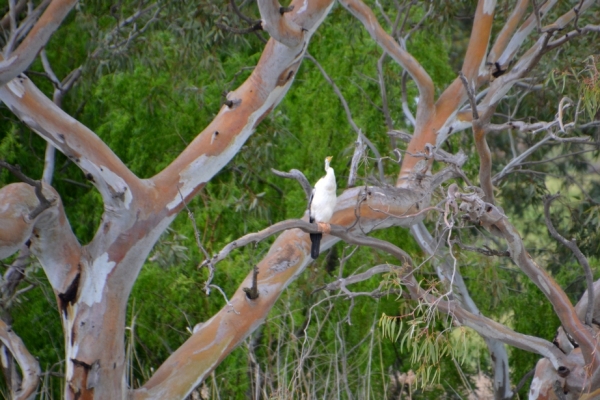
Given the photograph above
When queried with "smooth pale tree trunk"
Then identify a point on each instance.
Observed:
(92, 283)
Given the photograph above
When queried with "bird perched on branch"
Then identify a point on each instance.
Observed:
(321, 206)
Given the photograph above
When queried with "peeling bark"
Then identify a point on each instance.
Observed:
(92, 283)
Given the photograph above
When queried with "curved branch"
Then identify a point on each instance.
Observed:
(424, 83)
(44, 203)
(492, 217)
(48, 235)
(278, 25)
(484, 326)
(17, 61)
(572, 245)
(299, 176)
(116, 183)
(29, 365)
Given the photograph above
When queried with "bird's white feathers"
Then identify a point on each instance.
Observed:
(323, 197)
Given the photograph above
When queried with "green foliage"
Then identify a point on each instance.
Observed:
(148, 100)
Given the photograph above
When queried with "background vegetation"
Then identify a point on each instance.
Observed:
(148, 99)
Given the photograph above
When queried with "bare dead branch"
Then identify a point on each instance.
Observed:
(524, 380)
(572, 245)
(241, 15)
(343, 282)
(522, 126)
(419, 24)
(382, 89)
(517, 160)
(486, 251)
(404, 136)
(536, 14)
(238, 31)
(299, 176)
(572, 35)
(8, 19)
(260, 236)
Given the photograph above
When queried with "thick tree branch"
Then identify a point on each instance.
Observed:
(117, 184)
(507, 32)
(278, 24)
(503, 58)
(49, 234)
(29, 365)
(439, 124)
(473, 64)
(494, 220)
(249, 104)
(15, 62)
(290, 253)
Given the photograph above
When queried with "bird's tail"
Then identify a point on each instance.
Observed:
(315, 239)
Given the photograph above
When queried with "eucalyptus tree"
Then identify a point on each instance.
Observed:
(92, 282)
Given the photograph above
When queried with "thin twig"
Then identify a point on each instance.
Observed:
(524, 380)
(355, 127)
